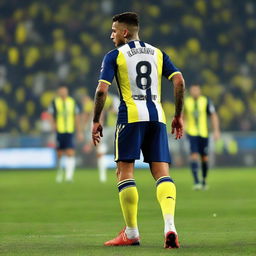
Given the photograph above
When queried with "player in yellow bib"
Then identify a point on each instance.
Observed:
(138, 68)
(197, 109)
(65, 118)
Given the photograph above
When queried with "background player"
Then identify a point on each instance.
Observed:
(196, 111)
(141, 122)
(108, 118)
(65, 119)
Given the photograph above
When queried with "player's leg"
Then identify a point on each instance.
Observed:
(166, 196)
(194, 165)
(156, 152)
(101, 162)
(70, 164)
(128, 196)
(127, 149)
(204, 161)
(61, 165)
(205, 168)
(61, 157)
(70, 156)
(194, 160)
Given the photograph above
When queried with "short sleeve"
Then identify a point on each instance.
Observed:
(169, 70)
(108, 67)
(210, 107)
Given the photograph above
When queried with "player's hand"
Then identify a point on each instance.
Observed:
(97, 133)
(177, 127)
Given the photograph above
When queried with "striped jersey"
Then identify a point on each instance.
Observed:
(138, 68)
(64, 112)
(196, 115)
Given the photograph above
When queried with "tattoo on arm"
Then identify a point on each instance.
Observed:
(179, 90)
(99, 101)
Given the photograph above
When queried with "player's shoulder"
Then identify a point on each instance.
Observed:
(111, 55)
(188, 98)
(148, 45)
(136, 44)
(209, 101)
(206, 98)
(72, 99)
(153, 46)
(55, 99)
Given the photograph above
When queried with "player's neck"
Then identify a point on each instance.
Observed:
(134, 38)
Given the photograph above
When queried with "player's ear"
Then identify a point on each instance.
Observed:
(126, 33)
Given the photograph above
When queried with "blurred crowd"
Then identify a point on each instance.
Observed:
(46, 43)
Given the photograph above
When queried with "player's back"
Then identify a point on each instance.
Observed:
(138, 68)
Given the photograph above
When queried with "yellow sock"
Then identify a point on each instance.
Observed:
(128, 196)
(166, 195)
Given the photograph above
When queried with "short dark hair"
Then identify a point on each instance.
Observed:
(129, 18)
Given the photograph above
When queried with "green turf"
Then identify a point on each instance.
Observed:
(40, 217)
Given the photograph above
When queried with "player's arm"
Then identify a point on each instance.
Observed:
(99, 101)
(183, 116)
(108, 69)
(79, 122)
(179, 90)
(172, 73)
(214, 119)
(215, 126)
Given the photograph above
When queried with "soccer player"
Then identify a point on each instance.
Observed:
(65, 119)
(108, 119)
(138, 68)
(197, 108)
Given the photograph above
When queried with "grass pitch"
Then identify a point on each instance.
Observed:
(40, 217)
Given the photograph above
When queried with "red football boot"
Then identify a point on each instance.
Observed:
(171, 240)
(122, 240)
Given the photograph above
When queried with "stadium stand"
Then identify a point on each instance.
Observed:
(44, 43)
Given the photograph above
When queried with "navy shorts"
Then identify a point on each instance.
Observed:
(198, 144)
(65, 140)
(148, 137)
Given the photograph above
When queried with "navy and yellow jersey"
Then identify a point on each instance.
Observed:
(196, 115)
(64, 112)
(138, 68)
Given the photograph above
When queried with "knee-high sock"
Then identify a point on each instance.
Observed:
(166, 196)
(128, 196)
(204, 171)
(70, 167)
(194, 169)
(102, 168)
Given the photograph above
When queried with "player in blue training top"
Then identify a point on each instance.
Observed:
(138, 68)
